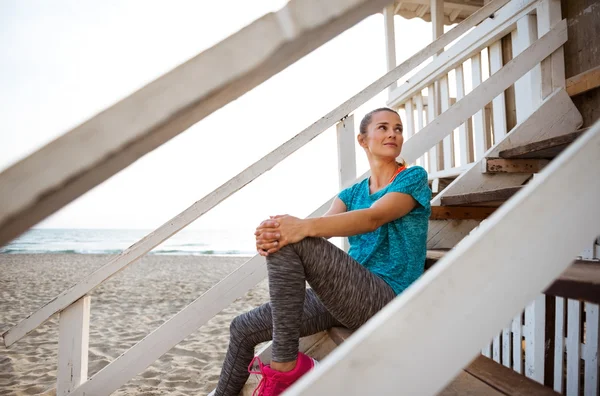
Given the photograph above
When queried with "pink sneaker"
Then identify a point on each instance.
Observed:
(273, 382)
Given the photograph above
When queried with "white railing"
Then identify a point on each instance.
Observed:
(489, 124)
(74, 303)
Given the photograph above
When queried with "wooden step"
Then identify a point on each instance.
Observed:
(544, 149)
(502, 165)
(482, 377)
(487, 198)
(461, 212)
(581, 281)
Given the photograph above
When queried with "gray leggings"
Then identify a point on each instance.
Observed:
(344, 293)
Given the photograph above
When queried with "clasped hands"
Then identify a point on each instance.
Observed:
(278, 231)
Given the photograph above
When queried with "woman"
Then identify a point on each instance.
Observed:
(385, 218)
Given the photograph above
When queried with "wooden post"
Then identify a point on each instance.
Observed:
(559, 345)
(535, 315)
(552, 68)
(573, 347)
(390, 41)
(73, 343)
(465, 133)
(479, 124)
(528, 87)
(592, 341)
(346, 157)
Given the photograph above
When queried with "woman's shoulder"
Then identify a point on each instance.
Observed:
(412, 174)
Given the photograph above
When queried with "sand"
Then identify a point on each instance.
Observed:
(123, 310)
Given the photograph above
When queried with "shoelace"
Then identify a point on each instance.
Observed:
(263, 381)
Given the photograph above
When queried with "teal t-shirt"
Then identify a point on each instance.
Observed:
(395, 251)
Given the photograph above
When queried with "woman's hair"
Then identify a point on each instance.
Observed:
(364, 124)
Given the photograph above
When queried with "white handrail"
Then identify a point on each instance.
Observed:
(237, 182)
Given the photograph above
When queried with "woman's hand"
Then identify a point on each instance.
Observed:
(267, 237)
(290, 229)
(279, 231)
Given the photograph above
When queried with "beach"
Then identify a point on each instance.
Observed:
(123, 310)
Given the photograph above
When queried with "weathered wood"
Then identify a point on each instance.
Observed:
(495, 196)
(479, 38)
(556, 114)
(76, 162)
(535, 344)
(339, 334)
(548, 148)
(505, 380)
(573, 347)
(590, 353)
(581, 281)
(444, 124)
(346, 157)
(559, 345)
(465, 384)
(501, 165)
(584, 82)
(495, 263)
(461, 212)
(390, 40)
(73, 344)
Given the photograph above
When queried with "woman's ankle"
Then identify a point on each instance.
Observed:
(284, 366)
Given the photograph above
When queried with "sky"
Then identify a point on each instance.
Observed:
(63, 62)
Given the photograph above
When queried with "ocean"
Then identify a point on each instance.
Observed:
(103, 241)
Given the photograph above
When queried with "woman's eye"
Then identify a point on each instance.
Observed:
(382, 127)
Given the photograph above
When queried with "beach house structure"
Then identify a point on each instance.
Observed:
(509, 304)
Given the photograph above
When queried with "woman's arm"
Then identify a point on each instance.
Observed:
(389, 208)
(337, 206)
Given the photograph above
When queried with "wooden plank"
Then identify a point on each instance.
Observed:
(390, 40)
(480, 132)
(517, 329)
(584, 82)
(231, 186)
(84, 157)
(444, 124)
(346, 157)
(581, 281)
(491, 259)
(465, 136)
(535, 341)
(465, 384)
(339, 334)
(479, 38)
(496, 348)
(500, 127)
(552, 68)
(556, 114)
(499, 195)
(547, 148)
(573, 347)
(501, 165)
(448, 142)
(505, 380)
(559, 345)
(590, 355)
(421, 161)
(73, 344)
(435, 155)
(527, 88)
(461, 212)
(506, 346)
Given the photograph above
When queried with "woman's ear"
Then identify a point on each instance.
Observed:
(361, 140)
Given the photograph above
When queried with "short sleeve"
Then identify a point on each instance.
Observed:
(413, 181)
(346, 196)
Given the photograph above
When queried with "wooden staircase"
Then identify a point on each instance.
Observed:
(482, 377)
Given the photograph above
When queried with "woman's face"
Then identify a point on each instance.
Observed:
(384, 135)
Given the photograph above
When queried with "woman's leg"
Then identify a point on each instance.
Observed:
(349, 291)
(256, 326)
